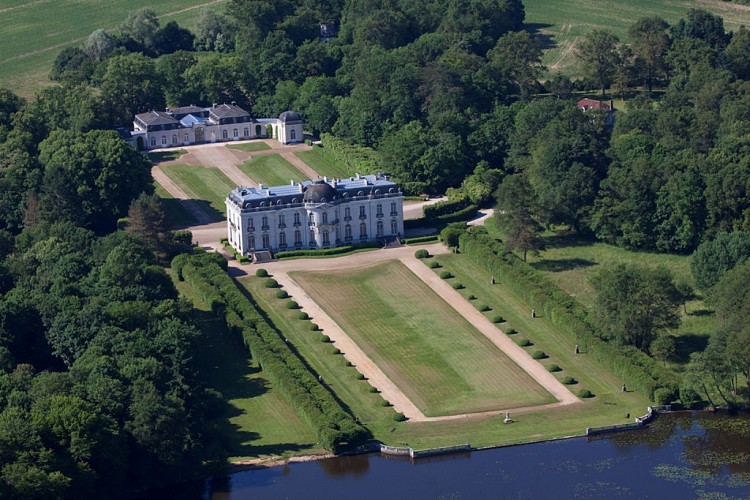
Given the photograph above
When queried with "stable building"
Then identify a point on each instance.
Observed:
(196, 125)
(315, 214)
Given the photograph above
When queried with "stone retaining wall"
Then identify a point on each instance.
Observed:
(639, 422)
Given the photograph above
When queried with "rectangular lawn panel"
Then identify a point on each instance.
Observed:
(436, 357)
(324, 165)
(250, 146)
(272, 170)
(175, 214)
(201, 183)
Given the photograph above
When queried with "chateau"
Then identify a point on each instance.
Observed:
(314, 214)
(195, 125)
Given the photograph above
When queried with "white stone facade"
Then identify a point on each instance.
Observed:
(314, 214)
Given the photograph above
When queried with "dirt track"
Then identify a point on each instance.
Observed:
(366, 366)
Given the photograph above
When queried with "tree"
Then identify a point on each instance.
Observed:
(515, 203)
(663, 348)
(131, 85)
(517, 57)
(598, 52)
(214, 31)
(738, 53)
(171, 38)
(99, 45)
(650, 42)
(634, 304)
(702, 25)
(713, 258)
(141, 26)
(146, 222)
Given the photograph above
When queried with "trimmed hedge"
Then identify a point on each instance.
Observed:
(359, 376)
(281, 294)
(498, 319)
(421, 253)
(445, 208)
(569, 381)
(325, 339)
(433, 264)
(585, 394)
(633, 366)
(446, 275)
(290, 304)
(271, 283)
(261, 273)
(385, 402)
(326, 251)
(524, 343)
(303, 315)
(313, 327)
(511, 331)
(374, 390)
(458, 286)
(421, 239)
(538, 355)
(554, 368)
(335, 428)
(399, 417)
(484, 307)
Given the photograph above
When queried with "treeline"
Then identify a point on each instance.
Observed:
(336, 429)
(100, 394)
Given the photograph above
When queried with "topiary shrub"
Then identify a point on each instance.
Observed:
(421, 253)
(458, 286)
(663, 396)
(325, 338)
(472, 297)
(303, 315)
(498, 319)
(484, 307)
(433, 264)
(524, 343)
(336, 351)
(281, 294)
(399, 417)
(585, 393)
(271, 283)
(374, 390)
(290, 304)
(554, 368)
(348, 363)
(445, 275)
(261, 273)
(359, 376)
(538, 355)
(313, 327)
(511, 331)
(385, 403)
(569, 381)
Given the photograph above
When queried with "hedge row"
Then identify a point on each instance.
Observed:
(460, 216)
(335, 428)
(421, 239)
(326, 251)
(632, 365)
(356, 158)
(445, 207)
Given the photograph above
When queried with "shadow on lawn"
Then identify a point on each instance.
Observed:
(559, 265)
(687, 344)
(546, 39)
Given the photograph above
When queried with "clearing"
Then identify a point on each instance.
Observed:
(436, 357)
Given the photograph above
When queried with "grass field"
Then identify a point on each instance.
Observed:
(176, 216)
(200, 183)
(323, 165)
(162, 156)
(563, 22)
(34, 32)
(271, 170)
(250, 146)
(254, 421)
(436, 357)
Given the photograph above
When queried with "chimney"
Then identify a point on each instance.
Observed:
(292, 184)
(260, 186)
(299, 188)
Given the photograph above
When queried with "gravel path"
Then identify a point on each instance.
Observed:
(364, 364)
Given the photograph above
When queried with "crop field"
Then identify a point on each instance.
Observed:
(322, 164)
(209, 185)
(438, 359)
(563, 22)
(34, 32)
(271, 170)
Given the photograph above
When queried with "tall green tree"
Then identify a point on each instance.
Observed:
(131, 85)
(650, 43)
(715, 257)
(598, 52)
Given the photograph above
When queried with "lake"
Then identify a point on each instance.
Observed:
(680, 455)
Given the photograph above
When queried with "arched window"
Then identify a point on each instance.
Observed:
(312, 237)
(297, 237)
(294, 135)
(380, 229)
(394, 226)
(282, 239)
(325, 218)
(326, 239)
(257, 130)
(266, 242)
(348, 232)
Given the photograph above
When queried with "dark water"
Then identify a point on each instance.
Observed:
(678, 456)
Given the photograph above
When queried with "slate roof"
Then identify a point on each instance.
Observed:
(156, 118)
(289, 117)
(228, 111)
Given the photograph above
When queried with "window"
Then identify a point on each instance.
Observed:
(174, 139)
(264, 224)
(362, 212)
(250, 226)
(348, 232)
(266, 243)
(394, 226)
(393, 209)
(312, 237)
(380, 229)
(235, 133)
(296, 219)
(294, 135)
(187, 138)
(326, 240)
(247, 132)
(282, 220)
(224, 134)
(282, 239)
(297, 237)
(251, 242)
(325, 218)
(164, 140)
(153, 141)
(380, 210)
(347, 213)
(363, 230)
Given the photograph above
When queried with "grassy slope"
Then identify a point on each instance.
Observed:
(250, 146)
(271, 170)
(609, 407)
(176, 215)
(563, 22)
(35, 32)
(255, 421)
(442, 363)
(201, 183)
(323, 164)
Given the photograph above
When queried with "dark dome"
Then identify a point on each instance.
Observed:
(318, 192)
(289, 116)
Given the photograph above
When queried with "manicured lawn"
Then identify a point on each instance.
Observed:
(323, 164)
(173, 211)
(254, 420)
(564, 22)
(250, 146)
(272, 170)
(35, 32)
(436, 357)
(201, 183)
(160, 156)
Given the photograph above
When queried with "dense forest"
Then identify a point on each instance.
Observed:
(98, 387)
